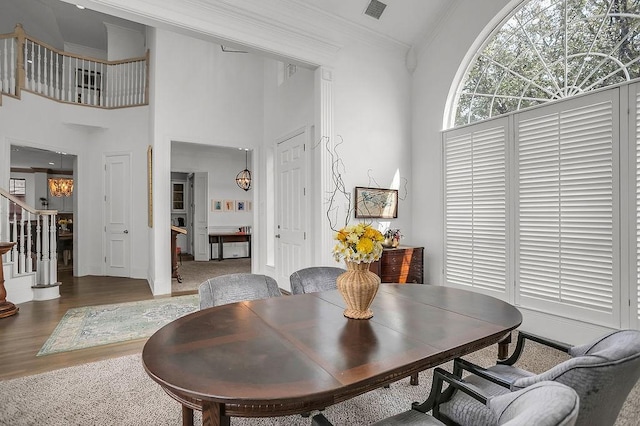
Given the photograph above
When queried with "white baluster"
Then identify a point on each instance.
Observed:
(53, 259)
(12, 66)
(5, 72)
(78, 81)
(39, 277)
(69, 75)
(39, 70)
(29, 243)
(21, 244)
(45, 249)
(32, 75)
(14, 238)
(57, 84)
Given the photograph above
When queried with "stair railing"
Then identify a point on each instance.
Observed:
(32, 65)
(34, 231)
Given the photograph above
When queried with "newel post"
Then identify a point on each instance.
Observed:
(20, 36)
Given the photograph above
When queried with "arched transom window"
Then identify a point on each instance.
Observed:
(549, 50)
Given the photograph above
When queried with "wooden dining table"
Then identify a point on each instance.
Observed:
(294, 354)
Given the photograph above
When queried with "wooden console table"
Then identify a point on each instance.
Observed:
(174, 255)
(220, 239)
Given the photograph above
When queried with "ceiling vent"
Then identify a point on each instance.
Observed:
(375, 9)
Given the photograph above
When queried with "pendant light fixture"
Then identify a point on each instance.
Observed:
(61, 187)
(243, 179)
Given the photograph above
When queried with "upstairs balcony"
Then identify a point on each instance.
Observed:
(31, 65)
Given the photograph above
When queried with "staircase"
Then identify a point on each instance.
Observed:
(30, 267)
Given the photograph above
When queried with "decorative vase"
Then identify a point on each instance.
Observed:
(387, 243)
(358, 287)
(395, 242)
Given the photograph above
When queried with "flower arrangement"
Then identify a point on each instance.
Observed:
(358, 244)
(393, 234)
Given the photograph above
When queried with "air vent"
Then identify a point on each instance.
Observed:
(375, 9)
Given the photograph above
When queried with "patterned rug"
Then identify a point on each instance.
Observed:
(90, 326)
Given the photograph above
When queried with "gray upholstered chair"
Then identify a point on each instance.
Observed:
(236, 288)
(602, 373)
(314, 279)
(542, 404)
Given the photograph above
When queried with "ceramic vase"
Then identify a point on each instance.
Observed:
(358, 287)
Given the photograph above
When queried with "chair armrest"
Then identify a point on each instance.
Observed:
(320, 420)
(437, 396)
(460, 364)
(522, 335)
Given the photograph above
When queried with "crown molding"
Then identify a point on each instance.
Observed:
(227, 22)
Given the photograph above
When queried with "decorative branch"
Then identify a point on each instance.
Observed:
(339, 189)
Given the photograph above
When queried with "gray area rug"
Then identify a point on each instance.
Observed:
(90, 326)
(119, 392)
(194, 273)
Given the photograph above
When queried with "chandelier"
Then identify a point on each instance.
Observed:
(61, 187)
(243, 179)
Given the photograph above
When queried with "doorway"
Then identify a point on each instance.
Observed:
(31, 169)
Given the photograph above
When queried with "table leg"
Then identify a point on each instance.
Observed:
(220, 245)
(212, 415)
(503, 347)
(187, 416)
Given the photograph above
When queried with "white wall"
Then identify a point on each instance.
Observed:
(200, 95)
(437, 66)
(62, 127)
(222, 166)
(372, 95)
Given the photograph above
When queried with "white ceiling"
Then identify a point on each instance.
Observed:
(57, 22)
(406, 21)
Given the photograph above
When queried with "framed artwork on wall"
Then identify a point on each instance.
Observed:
(216, 205)
(241, 206)
(376, 203)
(229, 205)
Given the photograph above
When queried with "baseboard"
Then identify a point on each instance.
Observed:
(565, 330)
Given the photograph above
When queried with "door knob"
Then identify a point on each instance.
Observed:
(277, 235)
(125, 231)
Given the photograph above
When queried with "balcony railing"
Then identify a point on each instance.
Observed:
(29, 64)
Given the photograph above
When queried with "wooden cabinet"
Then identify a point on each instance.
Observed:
(178, 197)
(400, 265)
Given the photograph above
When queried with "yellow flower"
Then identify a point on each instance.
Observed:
(358, 243)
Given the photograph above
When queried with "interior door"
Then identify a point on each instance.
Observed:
(200, 216)
(292, 251)
(117, 202)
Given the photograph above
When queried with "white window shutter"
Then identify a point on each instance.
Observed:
(476, 208)
(566, 230)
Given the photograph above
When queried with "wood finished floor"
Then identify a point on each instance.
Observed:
(22, 335)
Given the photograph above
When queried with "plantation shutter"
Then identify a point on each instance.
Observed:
(475, 207)
(566, 233)
(637, 204)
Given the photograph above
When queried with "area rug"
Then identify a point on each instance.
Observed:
(118, 392)
(90, 326)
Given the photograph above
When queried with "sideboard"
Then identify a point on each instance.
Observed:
(400, 265)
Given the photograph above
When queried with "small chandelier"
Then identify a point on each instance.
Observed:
(243, 179)
(61, 187)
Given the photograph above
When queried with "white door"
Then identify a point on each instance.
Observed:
(190, 213)
(292, 252)
(200, 216)
(117, 202)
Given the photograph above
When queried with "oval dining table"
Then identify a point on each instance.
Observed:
(294, 354)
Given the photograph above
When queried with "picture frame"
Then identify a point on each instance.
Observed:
(229, 205)
(376, 203)
(241, 206)
(216, 205)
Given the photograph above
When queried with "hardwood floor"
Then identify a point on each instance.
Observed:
(22, 335)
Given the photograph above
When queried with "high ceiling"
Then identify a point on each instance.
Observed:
(58, 22)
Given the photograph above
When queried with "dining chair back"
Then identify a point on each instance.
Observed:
(314, 279)
(236, 288)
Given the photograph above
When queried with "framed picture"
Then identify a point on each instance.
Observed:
(229, 205)
(216, 205)
(241, 206)
(376, 203)
(249, 206)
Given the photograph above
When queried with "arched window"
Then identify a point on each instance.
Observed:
(549, 50)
